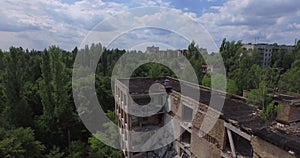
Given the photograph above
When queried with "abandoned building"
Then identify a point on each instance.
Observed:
(170, 52)
(266, 51)
(238, 132)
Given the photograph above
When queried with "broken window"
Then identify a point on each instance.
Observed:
(186, 137)
(187, 113)
(183, 154)
(241, 145)
(155, 120)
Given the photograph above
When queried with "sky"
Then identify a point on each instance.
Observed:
(68, 23)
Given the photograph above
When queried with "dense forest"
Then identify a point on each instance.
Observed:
(38, 117)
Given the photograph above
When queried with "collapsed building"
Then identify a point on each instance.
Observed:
(239, 131)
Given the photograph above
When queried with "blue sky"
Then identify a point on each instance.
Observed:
(38, 24)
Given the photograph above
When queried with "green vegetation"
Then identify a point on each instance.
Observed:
(37, 113)
(231, 87)
(244, 68)
(19, 142)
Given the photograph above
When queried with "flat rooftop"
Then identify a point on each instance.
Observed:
(235, 111)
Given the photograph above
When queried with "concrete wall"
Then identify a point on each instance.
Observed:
(175, 103)
(216, 134)
(209, 145)
(289, 113)
(200, 148)
(263, 149)
(295, 113)
(284, 114)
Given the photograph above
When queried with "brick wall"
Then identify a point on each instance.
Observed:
(203, 149)
(263, 149)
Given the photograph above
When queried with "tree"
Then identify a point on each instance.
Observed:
(206, 81)
(55, 153)
(248, 74)
(104, 93)
(99, 149)
(271, 76)
(296, 51)
(155, 70)
(17, 110)
(282, 59)
(231, 87)
(269, 112)
(58, 113)
(290, 80)
(2, 92)
(259, 97)
(231, 52)
(19, 143)
(78, 149)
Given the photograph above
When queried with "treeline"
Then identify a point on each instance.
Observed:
(37, 112)
(245, 67)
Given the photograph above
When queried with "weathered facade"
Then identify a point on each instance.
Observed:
(238, 132)
(267, 50)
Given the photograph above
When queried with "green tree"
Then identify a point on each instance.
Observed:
(104, 93)
(296, 51)
(271, 76)
(269, 112)
(19, 143)
(78, 149)
(58, 113)
(155, 70)
(55, 153)
(290, 81)
(100, 150)
(18, 112)
(259, 97)
(231, 52)
(231, 87)
(282, 59)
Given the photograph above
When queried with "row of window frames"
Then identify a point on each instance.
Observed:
(267, 59)
(267, 54)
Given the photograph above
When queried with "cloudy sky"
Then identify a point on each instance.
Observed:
(66, 23)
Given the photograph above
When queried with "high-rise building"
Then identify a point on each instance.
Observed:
(267, 50)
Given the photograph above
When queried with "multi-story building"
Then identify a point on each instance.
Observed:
(166, 53)
(266, 51)
(239, 130)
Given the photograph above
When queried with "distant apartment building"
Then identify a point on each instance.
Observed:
(239, 131)
(165, 53)
(266, 51)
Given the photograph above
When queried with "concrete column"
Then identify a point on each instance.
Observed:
(231, 143)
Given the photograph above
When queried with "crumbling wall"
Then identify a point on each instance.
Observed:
(294, 115)
(216, 135)
(284, 114)
(263, 149)
(155, 120)
(202, 148)
(175, 103)
(289, 113)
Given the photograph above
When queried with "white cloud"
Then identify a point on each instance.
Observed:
(37, 24)
(52, 21)
(130, 29)
(247, 19)
(151, 3)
